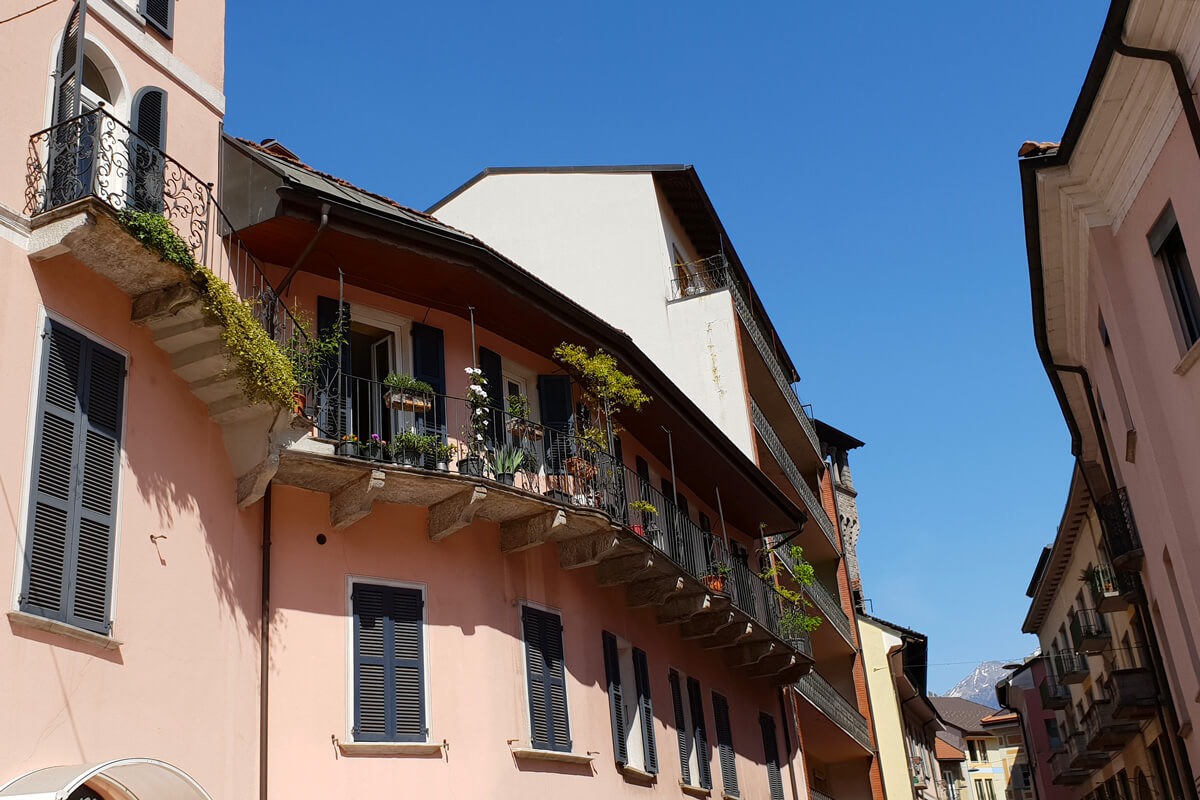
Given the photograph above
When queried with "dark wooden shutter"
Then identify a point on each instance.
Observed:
(77, 462)
(725, 752)
(149, 123)
(681, 731)
(771, 755)
(335, 392)
(616, 699)
(68, 98)
(69, 159)
(160, 14)
(491, 365)
(547, 680)
(389, 680)
(641, 676)
(554, 396)
(699, 732)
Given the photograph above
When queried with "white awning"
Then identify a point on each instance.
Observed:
(133, 778)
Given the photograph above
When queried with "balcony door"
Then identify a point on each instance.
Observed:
(373, 356)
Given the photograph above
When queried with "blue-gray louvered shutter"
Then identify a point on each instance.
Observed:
(554, 397)
(492, 367)
(771, 755)
(699, 732)
(77, 462)
(547, 680)
(616, 698)
(149, 124)
(69, 161)
(681, 730)
(389, 680)
(641, 676)
(725, 751)
(429, 365)
(160, 14)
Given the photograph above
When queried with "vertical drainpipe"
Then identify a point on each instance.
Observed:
(264, 646)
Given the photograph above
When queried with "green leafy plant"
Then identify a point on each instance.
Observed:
(718, 569)
(406, 384)
(413, 442)
(479, 424)
(518, 406)
(312, 353)
(643, 507)
(507, 460)
(605, 390)
(794, 619)
(265, 372)
(442, 453)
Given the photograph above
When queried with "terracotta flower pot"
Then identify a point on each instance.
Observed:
(715, 583)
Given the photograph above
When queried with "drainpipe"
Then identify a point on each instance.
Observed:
(308, 248)
(264, 646)
(1182, 87)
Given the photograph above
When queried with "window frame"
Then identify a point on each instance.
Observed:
(1185, 308)
(44, 317)
(426, 660)
(527, 701)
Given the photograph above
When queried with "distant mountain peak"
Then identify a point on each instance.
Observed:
(980, 685)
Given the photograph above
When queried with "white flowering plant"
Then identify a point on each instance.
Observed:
(477, 427)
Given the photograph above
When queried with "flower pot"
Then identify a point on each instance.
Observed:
(377, 452)
(471, 465)
(525, 430)
(298, 403)
(639, 530)
(581, 468)
(507, 478)
(715, 583)
(409, 458)
(351, 449)
(403, 401)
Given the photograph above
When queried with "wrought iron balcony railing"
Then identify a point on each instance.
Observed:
(821, 694)
(434, 431)
(1112, 590)
(1089, 631)
(96, 156)
(1120, 530)
(1054, 694)
(1069, 667)
(822, 597)
(818, 795)
(780, 454)
(712, 273)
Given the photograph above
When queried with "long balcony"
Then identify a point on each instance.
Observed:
(1120, 530)
(542, 484)
(1054, 695)
(1103, 731)
(815, 510)
(1069, 667)
(832, 704)
(80, 176)
(1063, 773)
(1089, 631)
(713, 274)
(1081, 756)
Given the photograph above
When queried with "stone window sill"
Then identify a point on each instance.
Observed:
(1189, 359)
(638, 774)
(695, 791)
(552, 755)
(390, 748)
(63, 629)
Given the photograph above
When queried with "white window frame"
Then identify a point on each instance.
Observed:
(426, 672)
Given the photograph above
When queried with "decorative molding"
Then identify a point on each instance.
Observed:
(14, 227)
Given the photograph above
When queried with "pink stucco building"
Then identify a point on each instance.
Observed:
(1111, 214)
(423, 572)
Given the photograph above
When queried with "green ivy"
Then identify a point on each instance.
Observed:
(265, 372)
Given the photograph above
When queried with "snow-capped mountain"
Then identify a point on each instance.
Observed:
(980, 685)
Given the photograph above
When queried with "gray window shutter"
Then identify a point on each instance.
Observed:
(547, 680)
(725, 751)
(77, 461)
(491, 365)
(67, 97)
(699, 732)
(554, 396)
(771, 755)
(616, 699)
(149, 124)
(389, 679)
(429, 365)
(641, 673)
(681, 731)
(160, 14)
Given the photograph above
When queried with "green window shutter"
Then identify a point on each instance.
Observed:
(699, 732)
(389, 671)
(546, 680)
(616, 699)
(771, 755)
(681, 730)
(725, 750)
(77, 461)
(641, 673)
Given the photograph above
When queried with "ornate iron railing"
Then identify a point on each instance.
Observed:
(95, 155)
(700, 277)
(830, 702)
(815, 509)
(1068, 666)
(1089, 630)
(372, 421)
(1120, 530)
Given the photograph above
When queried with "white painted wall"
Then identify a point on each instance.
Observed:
(605, 241)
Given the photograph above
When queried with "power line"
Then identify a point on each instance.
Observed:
(30, 11)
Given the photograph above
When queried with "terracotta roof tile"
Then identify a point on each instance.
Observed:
(944, 751)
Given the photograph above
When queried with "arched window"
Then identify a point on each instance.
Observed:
(149, 125)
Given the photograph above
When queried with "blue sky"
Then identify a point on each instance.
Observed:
(863, 159)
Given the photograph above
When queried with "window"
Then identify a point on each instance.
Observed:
(389, 669)
(546, 680)
(984, 790)
(629, 704)
(1053, 735)
(688, 705)
(725, 752)
(160, 14)
(977, 749)
(1020, 777)
(771, 755)
(1166, 243)
(74, 480)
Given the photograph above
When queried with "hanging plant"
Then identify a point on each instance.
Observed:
(794, 621)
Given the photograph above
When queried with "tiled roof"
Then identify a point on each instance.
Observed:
(962, 714)
(944, 751)
(999, 717)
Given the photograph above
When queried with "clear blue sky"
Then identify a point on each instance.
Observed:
(863, 159)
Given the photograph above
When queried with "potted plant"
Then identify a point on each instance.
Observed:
(604, 391)
(409, 448)
(406, 393)
(518, 419)
(717, 576)
(442, 453)
(476, 429)
(505, 462)
(581, 468)
(646, 513)
(349, 445)
(377, 447)
(794, 621)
